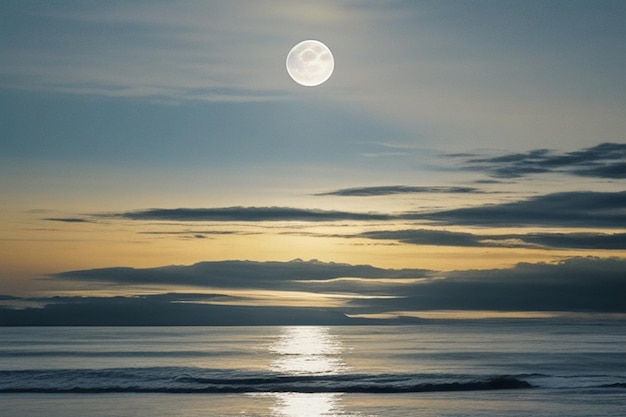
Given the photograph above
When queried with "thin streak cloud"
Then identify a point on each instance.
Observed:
(248, 214)
(607, 241)
(67, 219)
(397, 189)
(606, 160)
(572, 209)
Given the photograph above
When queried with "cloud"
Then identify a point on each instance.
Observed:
(613, 170)
(248, 214)
(575, 284)
(606, 160)
(163, 309)
(581, 284)
(397, 189)
(521, 240)
(573, 209)
(239, 274)
(577, 240)
(425, 237)
(195, 234)
(67, 219)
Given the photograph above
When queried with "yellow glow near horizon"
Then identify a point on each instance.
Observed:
(32, 247)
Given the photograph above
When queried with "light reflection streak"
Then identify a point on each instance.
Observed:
(307, 351)
(296, 404)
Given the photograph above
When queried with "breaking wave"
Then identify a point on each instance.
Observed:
(192, 380)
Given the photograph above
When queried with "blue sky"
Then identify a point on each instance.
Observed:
(113, 113)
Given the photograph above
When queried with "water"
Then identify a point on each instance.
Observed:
(525, 368)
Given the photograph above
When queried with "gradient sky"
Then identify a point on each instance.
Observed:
(465, 159)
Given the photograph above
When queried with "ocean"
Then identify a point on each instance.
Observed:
(463, 368)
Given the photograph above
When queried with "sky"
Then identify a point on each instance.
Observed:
(466, 159)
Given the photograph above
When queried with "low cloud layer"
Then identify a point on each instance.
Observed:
(577, 284)
(163, 310)
(587, 285)
(240, 274)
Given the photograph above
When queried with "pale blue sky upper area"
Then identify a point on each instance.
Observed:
(485, 68)
(163, 85)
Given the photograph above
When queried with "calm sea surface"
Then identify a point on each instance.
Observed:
(525, 368)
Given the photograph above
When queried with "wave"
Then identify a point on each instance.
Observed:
(175, 380)
(356, 384)
(614, 385)
(205, 380)
(490, 384)
(108, 354)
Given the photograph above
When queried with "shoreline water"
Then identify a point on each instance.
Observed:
(527, 403)
(288, 371)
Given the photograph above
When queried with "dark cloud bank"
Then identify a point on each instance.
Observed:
(588, 285)
(163, 310)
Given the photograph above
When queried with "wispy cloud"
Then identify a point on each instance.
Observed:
(68, 219)
(425, 237)
(248, 214)
(571, 209)
(208, 51)
(398, 189)
(195, 234)
(606, 160)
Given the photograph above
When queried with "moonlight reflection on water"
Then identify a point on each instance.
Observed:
(307, 350)
(302, 351)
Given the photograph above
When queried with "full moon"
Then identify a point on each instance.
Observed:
(310, 63)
